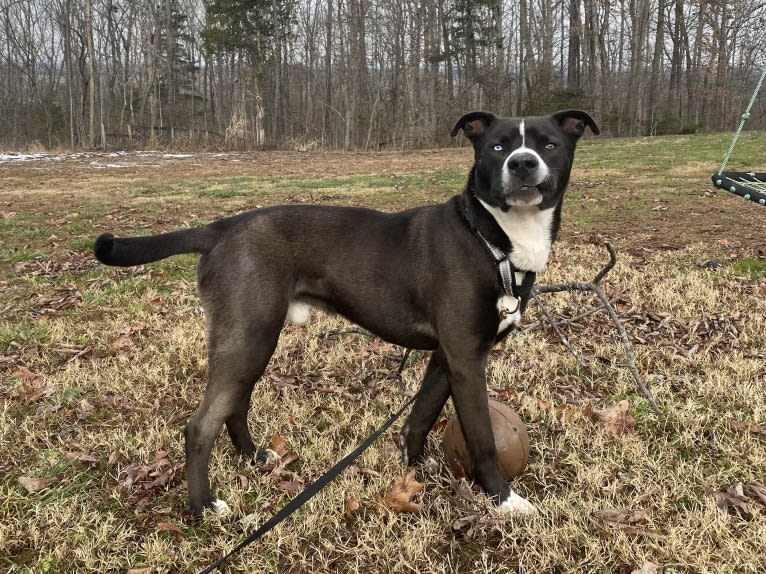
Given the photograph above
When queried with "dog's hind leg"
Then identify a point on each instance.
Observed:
(434, 394)
(238, 354)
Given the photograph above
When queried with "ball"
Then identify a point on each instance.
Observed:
(511, 441)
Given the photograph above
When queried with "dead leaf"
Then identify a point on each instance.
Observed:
(170, 527)
(350, 508)
(32, 485)
(80, 457)
(24, 374)
(725, 502)
(291, 487)
(31, 387)
(121, 343)
(755, 429)
(147, 570)
(399, 496)
(243, 482)
(156, 474)
(354, 470)
(734, 498)
(646, 568)
(463, 489)
(465, 526)
(84, 409)
(756, 491)
(616, 419)
(628, 521)
(279, 445)
(622, 517)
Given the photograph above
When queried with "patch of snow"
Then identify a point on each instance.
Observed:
(16, 157)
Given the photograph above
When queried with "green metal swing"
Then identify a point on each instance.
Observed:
(746, 184)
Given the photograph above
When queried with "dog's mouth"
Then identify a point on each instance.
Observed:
(524, 196)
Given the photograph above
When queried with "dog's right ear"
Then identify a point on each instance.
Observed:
(474, 125)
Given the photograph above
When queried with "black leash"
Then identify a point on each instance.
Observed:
(310, 491)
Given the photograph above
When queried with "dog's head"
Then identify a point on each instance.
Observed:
(523, 162)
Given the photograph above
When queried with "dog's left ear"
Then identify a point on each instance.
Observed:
(474, 125)
(574, 122)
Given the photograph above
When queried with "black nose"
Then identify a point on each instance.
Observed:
(523, 164)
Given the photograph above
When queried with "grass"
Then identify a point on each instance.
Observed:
(102, 367)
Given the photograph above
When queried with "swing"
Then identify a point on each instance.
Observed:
(747, 185)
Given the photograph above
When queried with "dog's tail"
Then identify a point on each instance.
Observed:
(127, 251)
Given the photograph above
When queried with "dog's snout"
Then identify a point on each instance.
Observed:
(522, 164)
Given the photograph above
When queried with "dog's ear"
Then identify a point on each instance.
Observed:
(574, 122)
(474, 125)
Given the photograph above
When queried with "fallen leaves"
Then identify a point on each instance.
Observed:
(157, 474)
(123, 342)
(31, 387)
(739, 498)
(171, 528)
(398, 498)
(350, 509)
(616, 419)
(32, 485)
(628, 521)
(751, 428)
(279, 445)
(68, 297)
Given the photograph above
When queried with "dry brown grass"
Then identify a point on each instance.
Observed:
(101, 368)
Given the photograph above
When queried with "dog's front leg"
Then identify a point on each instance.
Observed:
(469, 394)
(434, 392)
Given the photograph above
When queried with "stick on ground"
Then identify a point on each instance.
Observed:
(594, 287)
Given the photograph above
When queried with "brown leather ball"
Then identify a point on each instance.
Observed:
(511, 441)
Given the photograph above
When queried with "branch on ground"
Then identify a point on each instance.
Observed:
(595, 287)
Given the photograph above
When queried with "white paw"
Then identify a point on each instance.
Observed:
(220, 507)
(272, 457)
(298, 313)
(515, 504)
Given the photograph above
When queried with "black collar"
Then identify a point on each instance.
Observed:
(505, 268)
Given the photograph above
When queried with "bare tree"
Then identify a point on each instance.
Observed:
(357, 73)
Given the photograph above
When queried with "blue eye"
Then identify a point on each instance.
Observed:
(497, 147)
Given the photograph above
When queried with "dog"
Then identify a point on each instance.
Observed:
(452, 278)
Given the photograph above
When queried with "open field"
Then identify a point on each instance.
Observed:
(101, 367)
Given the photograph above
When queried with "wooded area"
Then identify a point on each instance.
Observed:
(365, 73)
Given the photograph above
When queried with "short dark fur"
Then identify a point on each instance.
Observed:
(418, 278)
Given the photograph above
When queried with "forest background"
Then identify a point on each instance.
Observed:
(364, 74)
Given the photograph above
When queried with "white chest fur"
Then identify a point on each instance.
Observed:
(529, 230)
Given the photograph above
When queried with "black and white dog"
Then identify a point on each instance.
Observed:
(452, 278)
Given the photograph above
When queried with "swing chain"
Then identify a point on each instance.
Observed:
(745, 117)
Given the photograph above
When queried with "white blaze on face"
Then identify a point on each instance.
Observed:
(542, 171)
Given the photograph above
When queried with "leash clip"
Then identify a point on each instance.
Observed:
(506, 311)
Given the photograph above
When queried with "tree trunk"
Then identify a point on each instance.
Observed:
(91, 72)
(573, 53)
